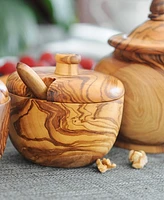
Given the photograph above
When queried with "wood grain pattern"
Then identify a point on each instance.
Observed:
(67, 64)
(16, 86)
(87, 86)
(66, 134)
(4, 116)
(138, 62)
(4, 125)
(148, 38)
(4, 94)
(144, 39)
(76, 124)
(157, 9)
(142, 124)
(32, 81)
(68, 58)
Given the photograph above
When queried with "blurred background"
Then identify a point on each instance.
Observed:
(79, 26)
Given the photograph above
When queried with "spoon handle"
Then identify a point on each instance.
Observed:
(32, 80)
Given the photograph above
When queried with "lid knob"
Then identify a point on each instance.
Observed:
(157, 9)
(67, 64)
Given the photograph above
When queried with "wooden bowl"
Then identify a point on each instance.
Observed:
(4, 116)
(76, 124)
(138, 61)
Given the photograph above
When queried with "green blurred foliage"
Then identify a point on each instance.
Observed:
(63, 12)
(19, 21)
(18, 27)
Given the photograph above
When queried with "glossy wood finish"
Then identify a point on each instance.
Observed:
(64, 134)
(67, 64)
(4, 94)
(73, 128)
(4, 78)
(88, 86)
(32, 80)
(138, 62)
(4, 116)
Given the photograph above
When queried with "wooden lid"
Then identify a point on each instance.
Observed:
(68, 83)
(147, 38)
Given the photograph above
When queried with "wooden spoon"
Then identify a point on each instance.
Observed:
(32, 80)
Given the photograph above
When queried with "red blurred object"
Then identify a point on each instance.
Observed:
(46, 59)
(40, 63)
(8, 68)
(49, 58)
(87, 63)
(28, 60)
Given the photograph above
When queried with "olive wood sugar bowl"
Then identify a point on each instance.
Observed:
(138, 61)
(4, 116)
(64, 116)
